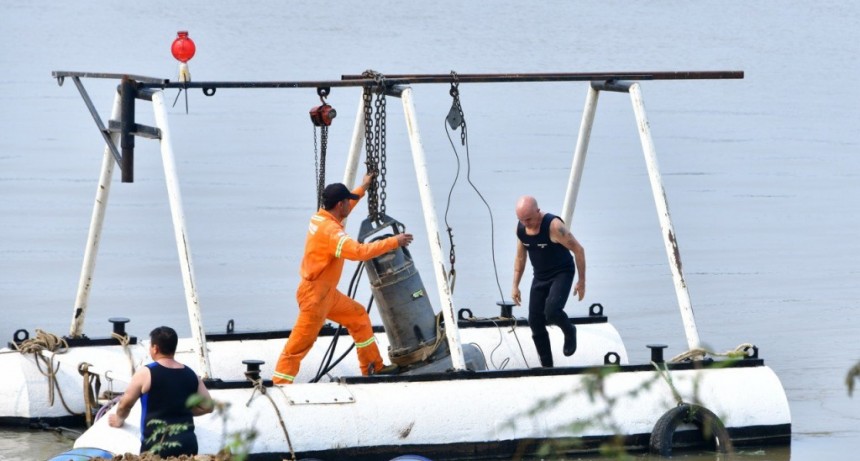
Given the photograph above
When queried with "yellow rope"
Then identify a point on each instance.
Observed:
(123, 341)
(738, 352)
(258, 386)
(47, 342)
(664, 373)
(43, 341)
(89, 399)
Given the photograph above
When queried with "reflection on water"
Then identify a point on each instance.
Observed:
(24, 445)
(20, 445)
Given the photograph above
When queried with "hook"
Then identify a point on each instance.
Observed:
(323, 93)
(455, 83)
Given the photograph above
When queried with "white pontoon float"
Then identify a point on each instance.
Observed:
(431, 408)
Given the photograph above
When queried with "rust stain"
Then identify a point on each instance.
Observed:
(407, 430)
(675, 250)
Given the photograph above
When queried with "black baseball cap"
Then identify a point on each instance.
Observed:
(336, 192)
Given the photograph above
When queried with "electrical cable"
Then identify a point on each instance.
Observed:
(475, 188)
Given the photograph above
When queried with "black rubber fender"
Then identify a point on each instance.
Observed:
(710, 427)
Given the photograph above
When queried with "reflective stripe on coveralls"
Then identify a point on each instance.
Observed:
(326, 248)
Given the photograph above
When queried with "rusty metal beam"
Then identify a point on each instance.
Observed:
(413, 79)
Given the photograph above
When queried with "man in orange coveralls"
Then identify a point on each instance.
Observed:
(326, 247)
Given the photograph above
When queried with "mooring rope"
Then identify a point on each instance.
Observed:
(254, 377)
(43, 341)
(56, 345)
(124, 340)
(664, 373)
(92, 385)
(738, 352)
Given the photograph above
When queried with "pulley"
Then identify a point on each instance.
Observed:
(323, 115)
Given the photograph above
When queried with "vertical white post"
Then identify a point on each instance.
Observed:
(579, 155)
(431, 222)
(175, 198)
(666, 227)
(96, 223)
(355, 146)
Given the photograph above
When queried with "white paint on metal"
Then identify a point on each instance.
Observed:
(431, 222)
(96, 224)
(470, 416)
(668, 231)
(174, 195)
(318, 395)
(355, 146)
(579, 156)
(24, 389)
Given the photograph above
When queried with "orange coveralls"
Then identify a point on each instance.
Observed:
(326, 247)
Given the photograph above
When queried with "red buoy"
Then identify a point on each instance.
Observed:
(183, 47)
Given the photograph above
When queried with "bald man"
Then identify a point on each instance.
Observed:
(549, 245)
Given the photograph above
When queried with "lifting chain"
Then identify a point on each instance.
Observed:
(374, 145)
(319, 162)
(321, 116)
(455, 119)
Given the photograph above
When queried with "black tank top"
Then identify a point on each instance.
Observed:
(547, 257)
(165, 401)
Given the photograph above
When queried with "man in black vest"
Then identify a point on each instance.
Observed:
(165, 386)
(549, 245)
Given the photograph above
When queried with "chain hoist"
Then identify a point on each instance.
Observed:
(374, 145)
(321, 116)
(455, 116)
(455, 119)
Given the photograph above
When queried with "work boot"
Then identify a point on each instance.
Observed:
(391, 369)
(569, 341)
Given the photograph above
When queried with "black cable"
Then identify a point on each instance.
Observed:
(469, 179)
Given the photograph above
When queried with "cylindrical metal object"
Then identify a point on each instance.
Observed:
(119, 324)
(657, 352)
(409, 320)
(127, 94)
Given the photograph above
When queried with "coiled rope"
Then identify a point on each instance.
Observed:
(700, 352)
(663, 372)
(52, 343)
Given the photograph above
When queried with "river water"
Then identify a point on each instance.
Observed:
(762, 173)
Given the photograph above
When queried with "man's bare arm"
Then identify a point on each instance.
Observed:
(135, 389)
(519, 267)
(559, 233)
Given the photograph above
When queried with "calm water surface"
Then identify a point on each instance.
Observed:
(762, 173)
